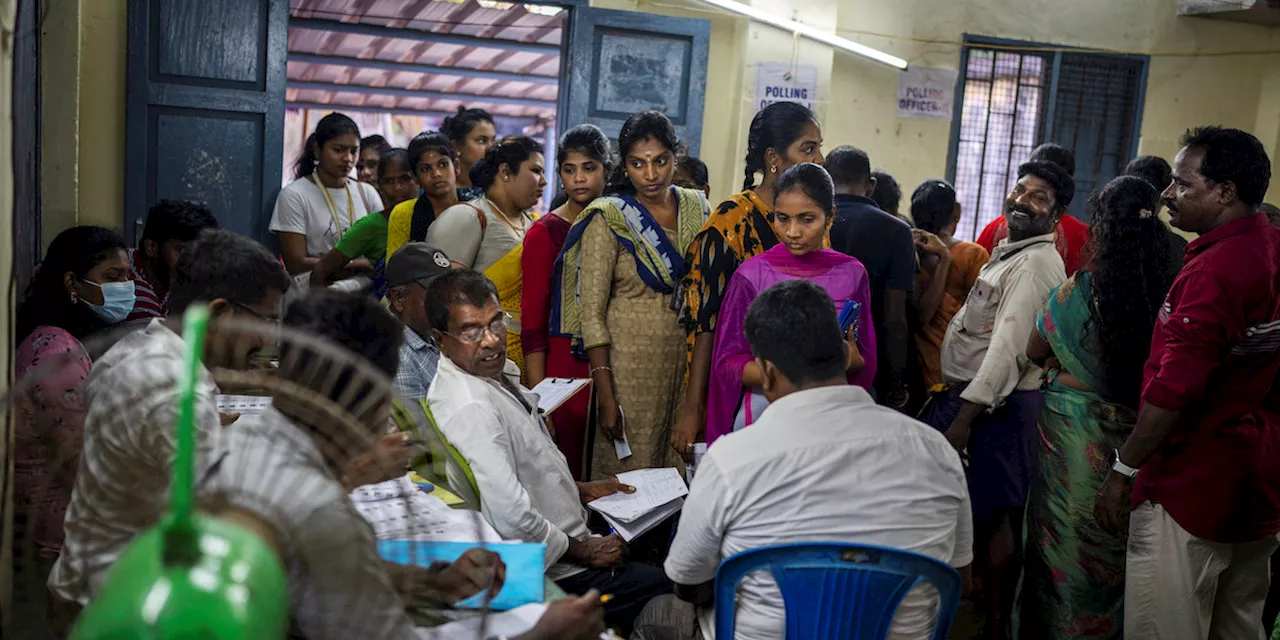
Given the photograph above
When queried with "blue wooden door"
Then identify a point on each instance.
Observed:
(621, 62)
(205, 108)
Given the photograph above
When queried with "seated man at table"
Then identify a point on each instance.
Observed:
(277, 476)
(526, 490)
(823, 463)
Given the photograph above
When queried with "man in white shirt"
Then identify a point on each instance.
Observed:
(131, 404)
(278, 476)
(823, 463)
(992, 400)
(526, 490)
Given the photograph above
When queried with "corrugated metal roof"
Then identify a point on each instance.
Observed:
(379, 53)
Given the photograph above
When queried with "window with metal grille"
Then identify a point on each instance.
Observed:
(1015, 96)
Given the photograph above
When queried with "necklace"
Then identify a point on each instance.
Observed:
(502, 215)
(337, 222)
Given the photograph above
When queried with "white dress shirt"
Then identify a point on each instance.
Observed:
(823, 465)
(338, 587)
(526, 490)
(986, 342)
(122, 486)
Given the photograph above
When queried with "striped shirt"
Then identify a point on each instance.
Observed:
(147, 305)
(337, 585)
(122, 486)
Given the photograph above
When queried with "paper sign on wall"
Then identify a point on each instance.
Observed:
(783, 82)
(925, 92)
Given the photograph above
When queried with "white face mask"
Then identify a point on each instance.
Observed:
(118, 299)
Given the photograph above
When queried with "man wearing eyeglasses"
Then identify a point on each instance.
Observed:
(526, 490)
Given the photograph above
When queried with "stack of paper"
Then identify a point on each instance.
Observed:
(659, 495)
(398, 510)
(553, 392)
(243, 405)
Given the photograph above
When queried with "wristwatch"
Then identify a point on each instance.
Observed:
(1122, 468)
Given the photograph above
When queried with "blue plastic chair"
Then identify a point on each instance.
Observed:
(836, 590)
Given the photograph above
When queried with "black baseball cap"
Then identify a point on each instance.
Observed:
(416, 262)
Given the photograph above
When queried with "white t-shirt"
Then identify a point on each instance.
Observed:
(302, 208)
(823, 465)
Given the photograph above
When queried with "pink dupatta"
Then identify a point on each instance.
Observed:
(844, 278)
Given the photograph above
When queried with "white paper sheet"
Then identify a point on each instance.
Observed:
(243, 405)
(553, 392)
(622, 447)
(507, 623)
(398, 510)
(631, 530)
(699, 450)
(654, 488)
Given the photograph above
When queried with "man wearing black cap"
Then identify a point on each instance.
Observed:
(408, 273)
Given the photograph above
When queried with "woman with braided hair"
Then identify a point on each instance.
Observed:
(781, 135)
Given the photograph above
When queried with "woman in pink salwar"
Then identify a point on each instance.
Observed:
(803, 211)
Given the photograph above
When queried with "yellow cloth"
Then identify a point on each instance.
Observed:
(507, 276)
(398, 225)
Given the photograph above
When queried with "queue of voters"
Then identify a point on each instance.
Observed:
(1079, 420)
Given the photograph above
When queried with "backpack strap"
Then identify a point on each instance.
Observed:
(484, 219)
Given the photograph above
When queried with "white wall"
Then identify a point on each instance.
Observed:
(859, 96)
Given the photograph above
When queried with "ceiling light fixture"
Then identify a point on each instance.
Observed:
(493, 4)
(808, 32)
(543, 9)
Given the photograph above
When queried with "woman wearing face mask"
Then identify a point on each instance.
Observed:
(620, 269)
(803, 209)
(584, 166)
(472, 134)
(314, 211)
(434, 164)
(81, 287)
(782, 134)
(487, 234)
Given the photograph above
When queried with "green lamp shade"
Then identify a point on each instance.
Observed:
(231, 587)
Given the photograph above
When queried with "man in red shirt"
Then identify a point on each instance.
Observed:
(1072, 234)
(1206, 449)
(170, 226)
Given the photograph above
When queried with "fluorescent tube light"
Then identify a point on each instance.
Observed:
(808, 32)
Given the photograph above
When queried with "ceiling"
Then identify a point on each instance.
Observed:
(425, 56)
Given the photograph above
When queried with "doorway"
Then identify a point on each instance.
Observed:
(223, 94)
(400, 68)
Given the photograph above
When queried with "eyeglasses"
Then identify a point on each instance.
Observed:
(256, 314)
(474, 335)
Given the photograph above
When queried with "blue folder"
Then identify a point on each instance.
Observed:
(525, 581)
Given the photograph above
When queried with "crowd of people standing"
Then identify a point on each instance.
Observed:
(1084, 409)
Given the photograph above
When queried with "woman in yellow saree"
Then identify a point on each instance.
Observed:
(487, 233)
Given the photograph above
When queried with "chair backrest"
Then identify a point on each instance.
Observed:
(444, 465)
(838, 590)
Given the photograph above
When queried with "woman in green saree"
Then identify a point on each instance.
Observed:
(1093, 340)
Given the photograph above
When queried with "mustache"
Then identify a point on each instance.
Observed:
(1011, 208)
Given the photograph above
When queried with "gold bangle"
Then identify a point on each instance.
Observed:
(593, 371)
